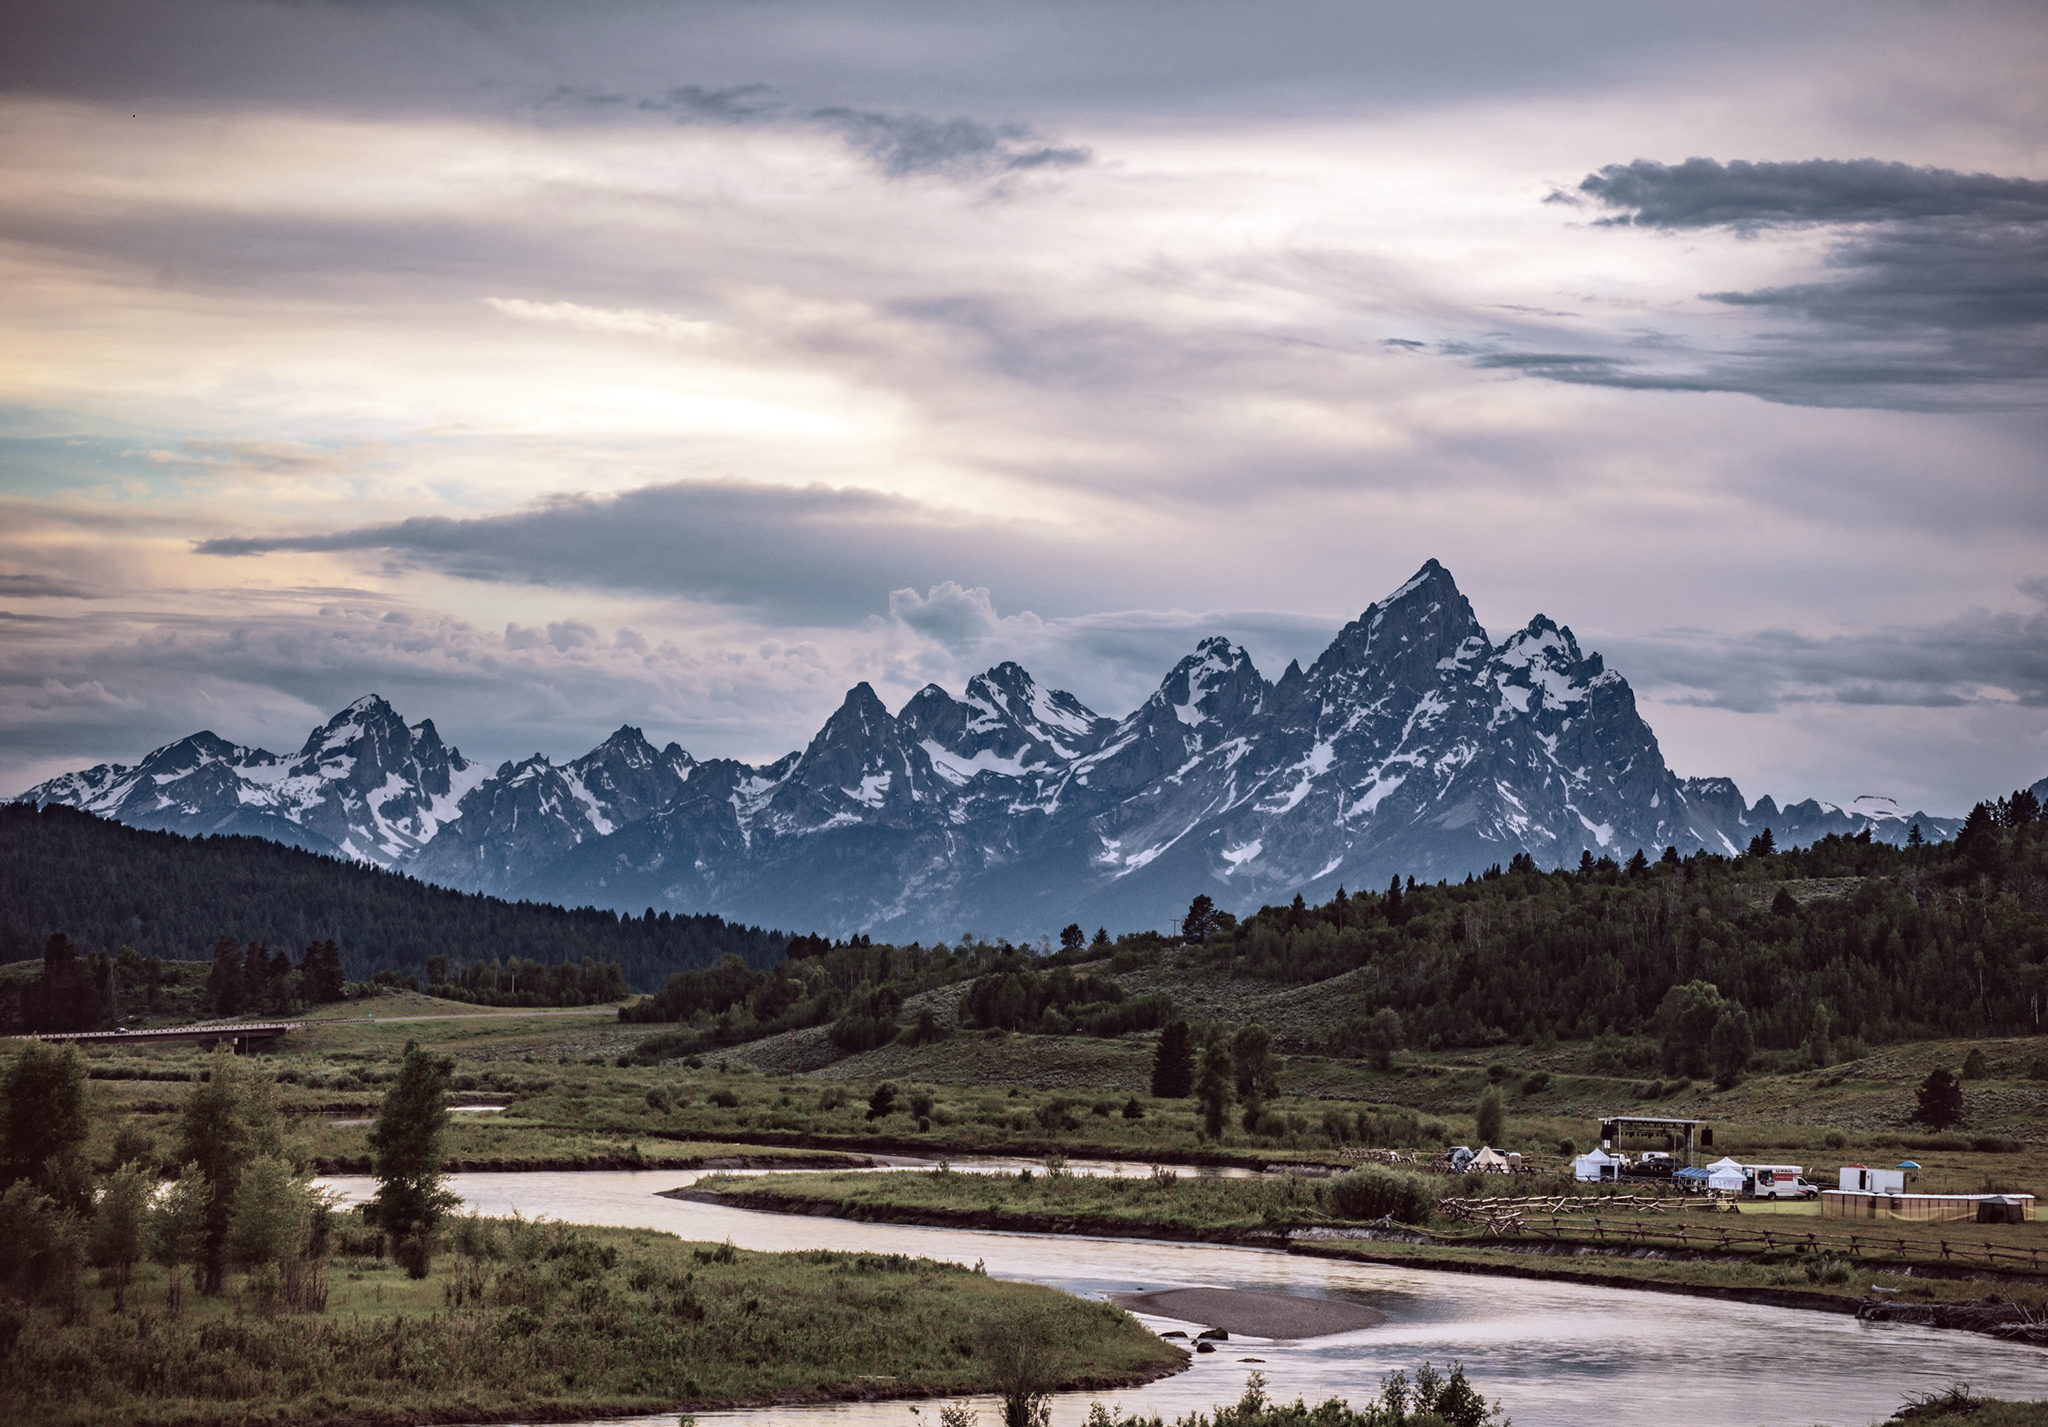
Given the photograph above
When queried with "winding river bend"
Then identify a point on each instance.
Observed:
(1557, 1355)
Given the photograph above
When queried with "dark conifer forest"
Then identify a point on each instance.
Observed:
(1846, 940)
(106, 886)
(1828, 948)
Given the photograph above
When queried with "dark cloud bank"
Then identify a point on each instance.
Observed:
(810, 555)
(1935, 293)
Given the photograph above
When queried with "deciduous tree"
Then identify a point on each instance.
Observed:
(405, 1147)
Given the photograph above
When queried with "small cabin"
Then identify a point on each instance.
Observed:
(1860, 1180)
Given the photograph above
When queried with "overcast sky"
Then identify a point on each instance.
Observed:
(546, 367)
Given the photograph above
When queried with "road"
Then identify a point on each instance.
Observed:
(607, 1011)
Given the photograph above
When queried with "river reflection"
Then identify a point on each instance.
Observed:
(1554, 1353)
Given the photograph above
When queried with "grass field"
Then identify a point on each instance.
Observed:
(568, 1101)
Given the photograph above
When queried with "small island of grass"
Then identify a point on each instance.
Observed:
(551, 1322)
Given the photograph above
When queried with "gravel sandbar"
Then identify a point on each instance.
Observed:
(1261, 1315)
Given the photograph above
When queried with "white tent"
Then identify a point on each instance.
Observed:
(1489, 1161)
(1726, 1175)
(1595, 1165)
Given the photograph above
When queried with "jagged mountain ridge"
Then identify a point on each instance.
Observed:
(1413, 745)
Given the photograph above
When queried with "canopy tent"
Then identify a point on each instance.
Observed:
(1595, 1165)
(1729, 1178)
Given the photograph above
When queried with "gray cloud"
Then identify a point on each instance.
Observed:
(1936, 293)
(814, 554)
(898, 144)
(905, 144)
(1701, 193)
(1979, 658)
(42, 587)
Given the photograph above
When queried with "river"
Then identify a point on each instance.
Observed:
(1557, 1355)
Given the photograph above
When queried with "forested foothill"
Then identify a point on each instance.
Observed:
(1830, 947)
(858, 989)
(123, 898)
(1819, 952)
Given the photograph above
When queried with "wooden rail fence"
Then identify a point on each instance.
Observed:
(1715, 1238)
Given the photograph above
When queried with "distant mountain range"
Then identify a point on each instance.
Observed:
(1412, 746)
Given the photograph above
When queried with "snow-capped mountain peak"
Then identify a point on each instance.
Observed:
(1412, 745)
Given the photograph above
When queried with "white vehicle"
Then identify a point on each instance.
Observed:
(1777, 1181)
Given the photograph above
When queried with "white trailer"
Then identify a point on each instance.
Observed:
(1859, 1180)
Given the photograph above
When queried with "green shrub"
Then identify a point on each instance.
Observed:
(1373, 1193)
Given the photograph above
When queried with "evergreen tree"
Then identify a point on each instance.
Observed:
(71, 993)
(1173, 1063)
(2022, 809)
(224, 980)
(1763, 844)
(1914, 837)
(1391, 905)
(1072, 937)
(1939, 1100)
(320, 975)
(1977, 843)
(1201, 920)
(405, 1146)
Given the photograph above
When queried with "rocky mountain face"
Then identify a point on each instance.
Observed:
(1413, 746)
(527, 814)
(365, 786)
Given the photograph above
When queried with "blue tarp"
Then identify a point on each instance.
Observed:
(1692, 1175)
